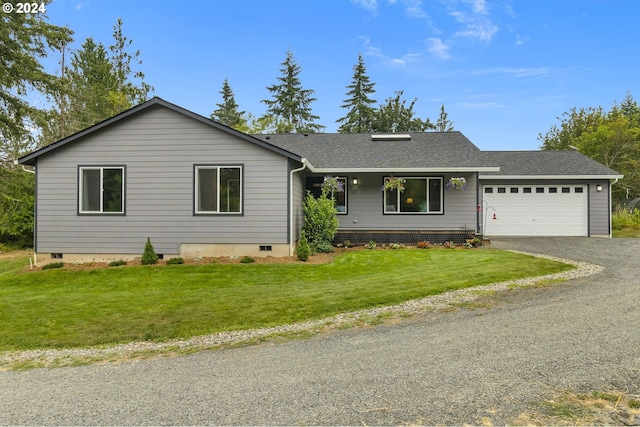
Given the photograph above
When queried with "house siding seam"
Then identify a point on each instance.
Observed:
(159, 149)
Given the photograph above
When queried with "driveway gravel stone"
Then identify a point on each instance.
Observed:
(447, 367)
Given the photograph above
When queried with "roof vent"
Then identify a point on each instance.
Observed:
(390, 137)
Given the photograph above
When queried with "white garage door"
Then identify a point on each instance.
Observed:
(517, 210)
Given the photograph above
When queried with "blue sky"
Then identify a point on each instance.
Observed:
(505, 70)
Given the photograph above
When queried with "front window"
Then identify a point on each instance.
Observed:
(314, 185)
(101, 190)
(420, 196)
(218, 189)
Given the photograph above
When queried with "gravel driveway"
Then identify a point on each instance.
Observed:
(446, 367)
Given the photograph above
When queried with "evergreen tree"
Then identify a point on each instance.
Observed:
(360, 116)
(290, 107)
(98, 84)
(92, 84)
(227, 112)
(395, 116)
(131, 87)
(444, 124)
(25, 40)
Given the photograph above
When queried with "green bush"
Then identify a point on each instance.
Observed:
(323, 247)
(149, 256)
(625, 219)
(303, 250)
(320, 220)
(53, 265)
(175, 261)
(247, 260)
(370, 245)
(117, 263)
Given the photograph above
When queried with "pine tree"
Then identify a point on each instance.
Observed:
(290, 107)
(361, 114)
(444, 124)
(227, 112)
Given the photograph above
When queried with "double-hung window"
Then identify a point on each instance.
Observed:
(218, 189)
(420, 196)
(101, 189)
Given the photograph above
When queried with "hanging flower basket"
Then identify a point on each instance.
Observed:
(332, 184)
(456, 183)
(394, 184)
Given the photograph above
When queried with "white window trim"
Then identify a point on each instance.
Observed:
(197, 189)
(81, 190)
(398, 193)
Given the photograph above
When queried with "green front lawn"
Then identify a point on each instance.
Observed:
(80, 308)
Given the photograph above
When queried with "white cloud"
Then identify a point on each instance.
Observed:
(516, 72)
(438, 48)
(371, 5)
(407, 59)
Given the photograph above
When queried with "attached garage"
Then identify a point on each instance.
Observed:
(545, 193)
(540, 210)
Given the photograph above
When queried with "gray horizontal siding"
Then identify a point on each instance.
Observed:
(365, 207)
(159, 148)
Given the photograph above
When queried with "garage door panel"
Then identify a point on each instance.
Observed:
(535, 211)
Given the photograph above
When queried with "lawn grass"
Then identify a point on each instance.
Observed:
(66, 308)
(626, 233)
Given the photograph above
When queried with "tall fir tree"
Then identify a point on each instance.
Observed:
(131, 86)
(361, 113)
(25, 41)
(443, 124)
(227, 112)
(98, 84)
(290, 107)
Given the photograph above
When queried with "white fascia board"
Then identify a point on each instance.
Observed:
(534, 177)
(405, 170)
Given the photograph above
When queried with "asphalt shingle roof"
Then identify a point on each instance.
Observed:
(546, 163)
(353, 151)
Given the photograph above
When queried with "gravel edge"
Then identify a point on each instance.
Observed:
(66, 357)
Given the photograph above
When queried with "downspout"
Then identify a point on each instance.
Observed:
(24, 168)
(35, 217)
(610, 207)
(291, 237)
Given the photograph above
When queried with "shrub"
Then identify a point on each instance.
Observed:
(303, 250)
(449, 245)
(424, 245)
(117, 263)
(149, 256)
(396, 246)
(323, 247)
(370, 245)
(53, 265)
(623, 218)
(320, 220)
(175, 261)
(247, 260)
